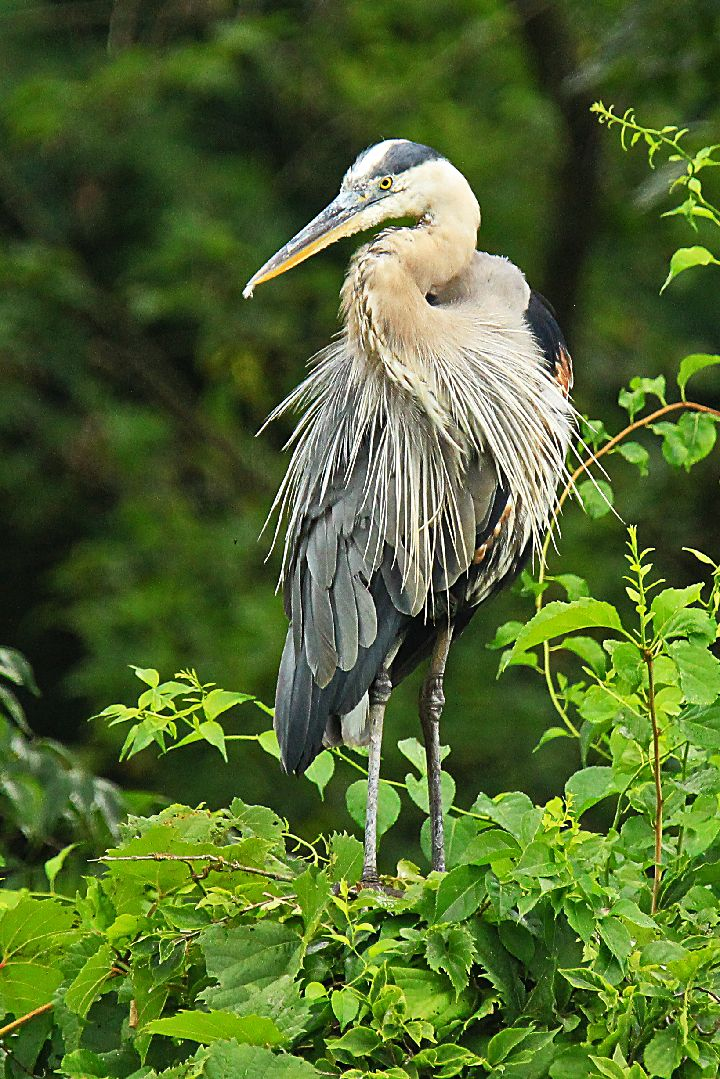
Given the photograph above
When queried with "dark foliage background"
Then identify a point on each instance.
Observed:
(153, 155)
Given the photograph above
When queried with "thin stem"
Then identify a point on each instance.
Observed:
(9, 1027)
(650, 662)
(215, 861)
(683, 773)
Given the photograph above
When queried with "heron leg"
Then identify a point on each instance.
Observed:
(380, 692)
(432, 700)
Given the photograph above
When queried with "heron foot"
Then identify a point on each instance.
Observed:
(381, 688)
(432, 700)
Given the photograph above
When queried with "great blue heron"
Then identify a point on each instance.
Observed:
(425, 464)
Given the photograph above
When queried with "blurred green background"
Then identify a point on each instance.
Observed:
(153, 153)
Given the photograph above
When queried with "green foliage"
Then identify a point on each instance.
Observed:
(54, 813)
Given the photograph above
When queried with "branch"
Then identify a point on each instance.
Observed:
(215, 861)
(10, 1027)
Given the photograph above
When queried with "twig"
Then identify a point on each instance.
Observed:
(658, 826)
(9, 1027)
(215, 861)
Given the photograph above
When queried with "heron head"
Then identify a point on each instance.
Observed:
(394, 179)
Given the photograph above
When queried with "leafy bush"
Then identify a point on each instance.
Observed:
(218, 944)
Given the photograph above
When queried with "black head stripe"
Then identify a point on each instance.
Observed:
(400, 157)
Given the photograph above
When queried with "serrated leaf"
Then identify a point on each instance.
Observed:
(663, 1052)
(558, 618)
(346, 858)
(503, 1043)
(699, 672)
(453, 951)
(90, 980)
(461, 892)
(246, 959)
(489, 846)
(670, 600)
(690, 366)
(229, 1060)
(389, 805)
(209, 1027)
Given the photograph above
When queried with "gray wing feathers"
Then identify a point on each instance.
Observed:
(350, 590)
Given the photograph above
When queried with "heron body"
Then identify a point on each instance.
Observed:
(432, 438)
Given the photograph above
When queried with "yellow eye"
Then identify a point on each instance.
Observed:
(386, 183)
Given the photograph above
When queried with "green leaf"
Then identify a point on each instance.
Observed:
(558, 618)
(209, 1027)
(663, 1052)
(503, 1043)
(588, 649)
(447, 1060)
(229, 1060)
(687, 257)
(699, 672)
(505, 635)
(321, 771)
(90, 981)
(54, 865)
(636, 454)
(687, 441)
(596, 497)
(452, 950)
(345, 1005)
(490, 846)
(147, 675)
(418, 791)
(359, 1042)
(218, 701)
(389, 805)
(670, 600)
(698, 361)
(575, 587)
(247, 958)
(346, 858)
(268, 741)
(214, 734)
(461, 892)
(589, 786)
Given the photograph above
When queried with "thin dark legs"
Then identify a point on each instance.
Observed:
(379, 695)
(432, 700)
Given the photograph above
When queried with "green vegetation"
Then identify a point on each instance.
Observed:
(576, 933)
(217, 943)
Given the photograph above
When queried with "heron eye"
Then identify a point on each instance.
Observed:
(386, 183)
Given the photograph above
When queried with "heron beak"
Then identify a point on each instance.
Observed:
(338, 219)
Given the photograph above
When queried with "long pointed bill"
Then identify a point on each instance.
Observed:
(336, 220)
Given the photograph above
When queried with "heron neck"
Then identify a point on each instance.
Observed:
(384, 299)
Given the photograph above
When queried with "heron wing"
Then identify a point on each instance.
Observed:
(540, 317)
(343, 619)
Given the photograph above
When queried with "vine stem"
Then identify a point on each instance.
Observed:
(10, 1027)
(584, 466)
(650, 662)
